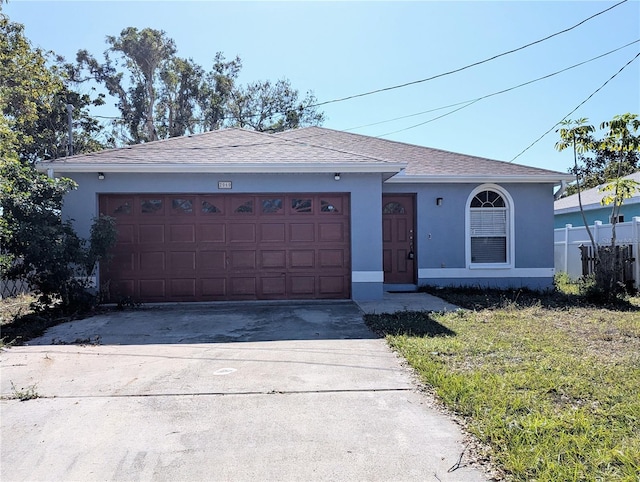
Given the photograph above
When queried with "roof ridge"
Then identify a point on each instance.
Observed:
(427, 148)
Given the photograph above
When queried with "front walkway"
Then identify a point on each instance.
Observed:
(406, 301)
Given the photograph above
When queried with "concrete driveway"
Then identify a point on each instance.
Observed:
(250, 391)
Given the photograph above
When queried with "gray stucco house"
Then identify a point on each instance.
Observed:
(310, 213)
(567, 209)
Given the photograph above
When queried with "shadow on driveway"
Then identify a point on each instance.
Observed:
(214, 323)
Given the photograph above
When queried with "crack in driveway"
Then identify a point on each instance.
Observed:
(227, 394)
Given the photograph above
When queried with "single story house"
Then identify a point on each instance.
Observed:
(311, 213)
(567, 209)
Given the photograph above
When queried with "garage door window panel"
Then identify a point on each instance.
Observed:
(331, 206)
(152, 206)
(272, 206)
(242, 206)
(123, 208)
(301, 206)
(211, 206)
(181, 207)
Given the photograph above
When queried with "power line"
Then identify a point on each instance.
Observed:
(577, 107)
(474, 101)
(384, 89)
(430, 120)
(466, 66)
(465, 103)
(470, 102)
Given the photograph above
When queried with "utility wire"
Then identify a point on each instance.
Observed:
(476, 100)
(430, 120)
(444, 73)
(466, 66)
(465, 103)
(473, 101)
(577, 107)
(470, 102)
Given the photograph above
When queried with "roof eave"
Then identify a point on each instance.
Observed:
(590, 206)
(244, 167)
(520, 178)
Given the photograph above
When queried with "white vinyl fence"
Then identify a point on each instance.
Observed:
(567, 243)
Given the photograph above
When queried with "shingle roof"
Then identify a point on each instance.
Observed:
(421, 161)
(310, 149)
(222, 149)
(591, 197)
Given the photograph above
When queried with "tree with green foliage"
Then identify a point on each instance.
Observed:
(37, 246)
(622, 139)
(272, 107)
(216, 90)
(143, 53)
(620, 144)
(604, 161)
(178, 99)
(577, 136)
(161, 95)
(34, 94)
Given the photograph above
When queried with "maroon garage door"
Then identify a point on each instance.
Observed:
(196, 247)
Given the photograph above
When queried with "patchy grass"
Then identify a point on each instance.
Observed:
(19, 322)
(14, 312)
(551, 384)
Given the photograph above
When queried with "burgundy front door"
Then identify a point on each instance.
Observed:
(398, 246)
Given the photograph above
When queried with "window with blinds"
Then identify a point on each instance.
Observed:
(488, 228)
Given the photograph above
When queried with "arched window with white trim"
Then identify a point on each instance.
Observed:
(489, 222)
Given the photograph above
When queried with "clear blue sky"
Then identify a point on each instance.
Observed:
(338, 49)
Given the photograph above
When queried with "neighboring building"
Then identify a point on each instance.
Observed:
(309, 214)
(567, 209)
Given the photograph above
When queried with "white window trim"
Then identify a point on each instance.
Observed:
(510, 228)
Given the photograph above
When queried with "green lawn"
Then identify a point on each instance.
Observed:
(552, 388)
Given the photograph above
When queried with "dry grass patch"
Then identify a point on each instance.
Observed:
(20, 322)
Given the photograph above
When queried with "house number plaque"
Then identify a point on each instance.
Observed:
(224, 184)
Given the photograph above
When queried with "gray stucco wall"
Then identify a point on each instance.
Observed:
(441, 235)
(366, 205)
(440, 231)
